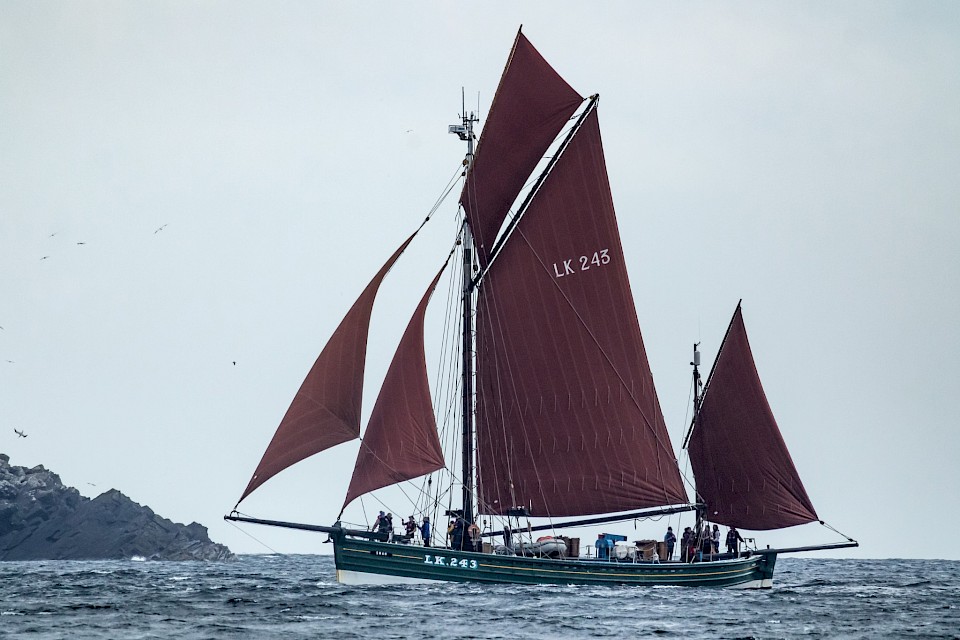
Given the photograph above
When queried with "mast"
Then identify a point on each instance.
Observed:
(465, 132)
(697, 396)
(696, 378)
(697, 399)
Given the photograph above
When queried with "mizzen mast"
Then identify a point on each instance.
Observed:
(697, 400)
(465, 132)
(697, 396)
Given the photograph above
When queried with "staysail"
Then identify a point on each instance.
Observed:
(326, 410)
(744, 473)
(567, 417)
(530, 107)
(400, 442)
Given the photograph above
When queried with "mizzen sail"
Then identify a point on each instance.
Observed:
(568, 420)
(326, 410)
(530, 107)
(744, 473)
(400, 442)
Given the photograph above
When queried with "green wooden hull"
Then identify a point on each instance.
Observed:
(362, 561)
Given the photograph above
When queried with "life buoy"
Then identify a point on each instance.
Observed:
(473, 531)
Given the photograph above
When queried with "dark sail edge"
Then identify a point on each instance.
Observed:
(400, 442)
(325, 411)
(568, 422)
(530, 107)
(744, 472)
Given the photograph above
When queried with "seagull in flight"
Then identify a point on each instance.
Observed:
(20, 433)
(44, 257)
(81, 243)
(159, 230)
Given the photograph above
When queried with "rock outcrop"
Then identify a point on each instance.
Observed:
(40, 519)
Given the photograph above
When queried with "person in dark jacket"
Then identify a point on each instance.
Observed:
(671, 539)
(425, 531)
(409, 529)
(458, 534)
(385, 527)
(733, 541)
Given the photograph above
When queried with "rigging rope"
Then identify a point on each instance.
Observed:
(836, 532)
(423, 491)
(252, 537)
(684, 475)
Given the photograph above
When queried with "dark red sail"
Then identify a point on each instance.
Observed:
(530, 107)
(568, 420)
(744, 472)
(401, 441)
(326, 409)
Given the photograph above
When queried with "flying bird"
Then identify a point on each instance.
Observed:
(159, 230)
(53, 234)
(81, 243)
(20, 433)
(44, 257)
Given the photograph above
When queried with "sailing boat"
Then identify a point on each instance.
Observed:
(559, 414)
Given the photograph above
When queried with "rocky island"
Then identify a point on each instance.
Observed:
(41, 519)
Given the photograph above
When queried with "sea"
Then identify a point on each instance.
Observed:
(297, 596)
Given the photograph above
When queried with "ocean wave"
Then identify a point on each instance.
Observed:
(274, 597)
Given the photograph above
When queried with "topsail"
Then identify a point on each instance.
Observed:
(531, 106)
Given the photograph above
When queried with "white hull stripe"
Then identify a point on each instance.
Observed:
(362, 577)
(766, 583)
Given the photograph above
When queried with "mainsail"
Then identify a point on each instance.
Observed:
(744, 473)
(530, 107)
(326, 410)
(568, 420)
(400, 442)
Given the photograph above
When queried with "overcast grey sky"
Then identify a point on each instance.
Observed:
(801, 156)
